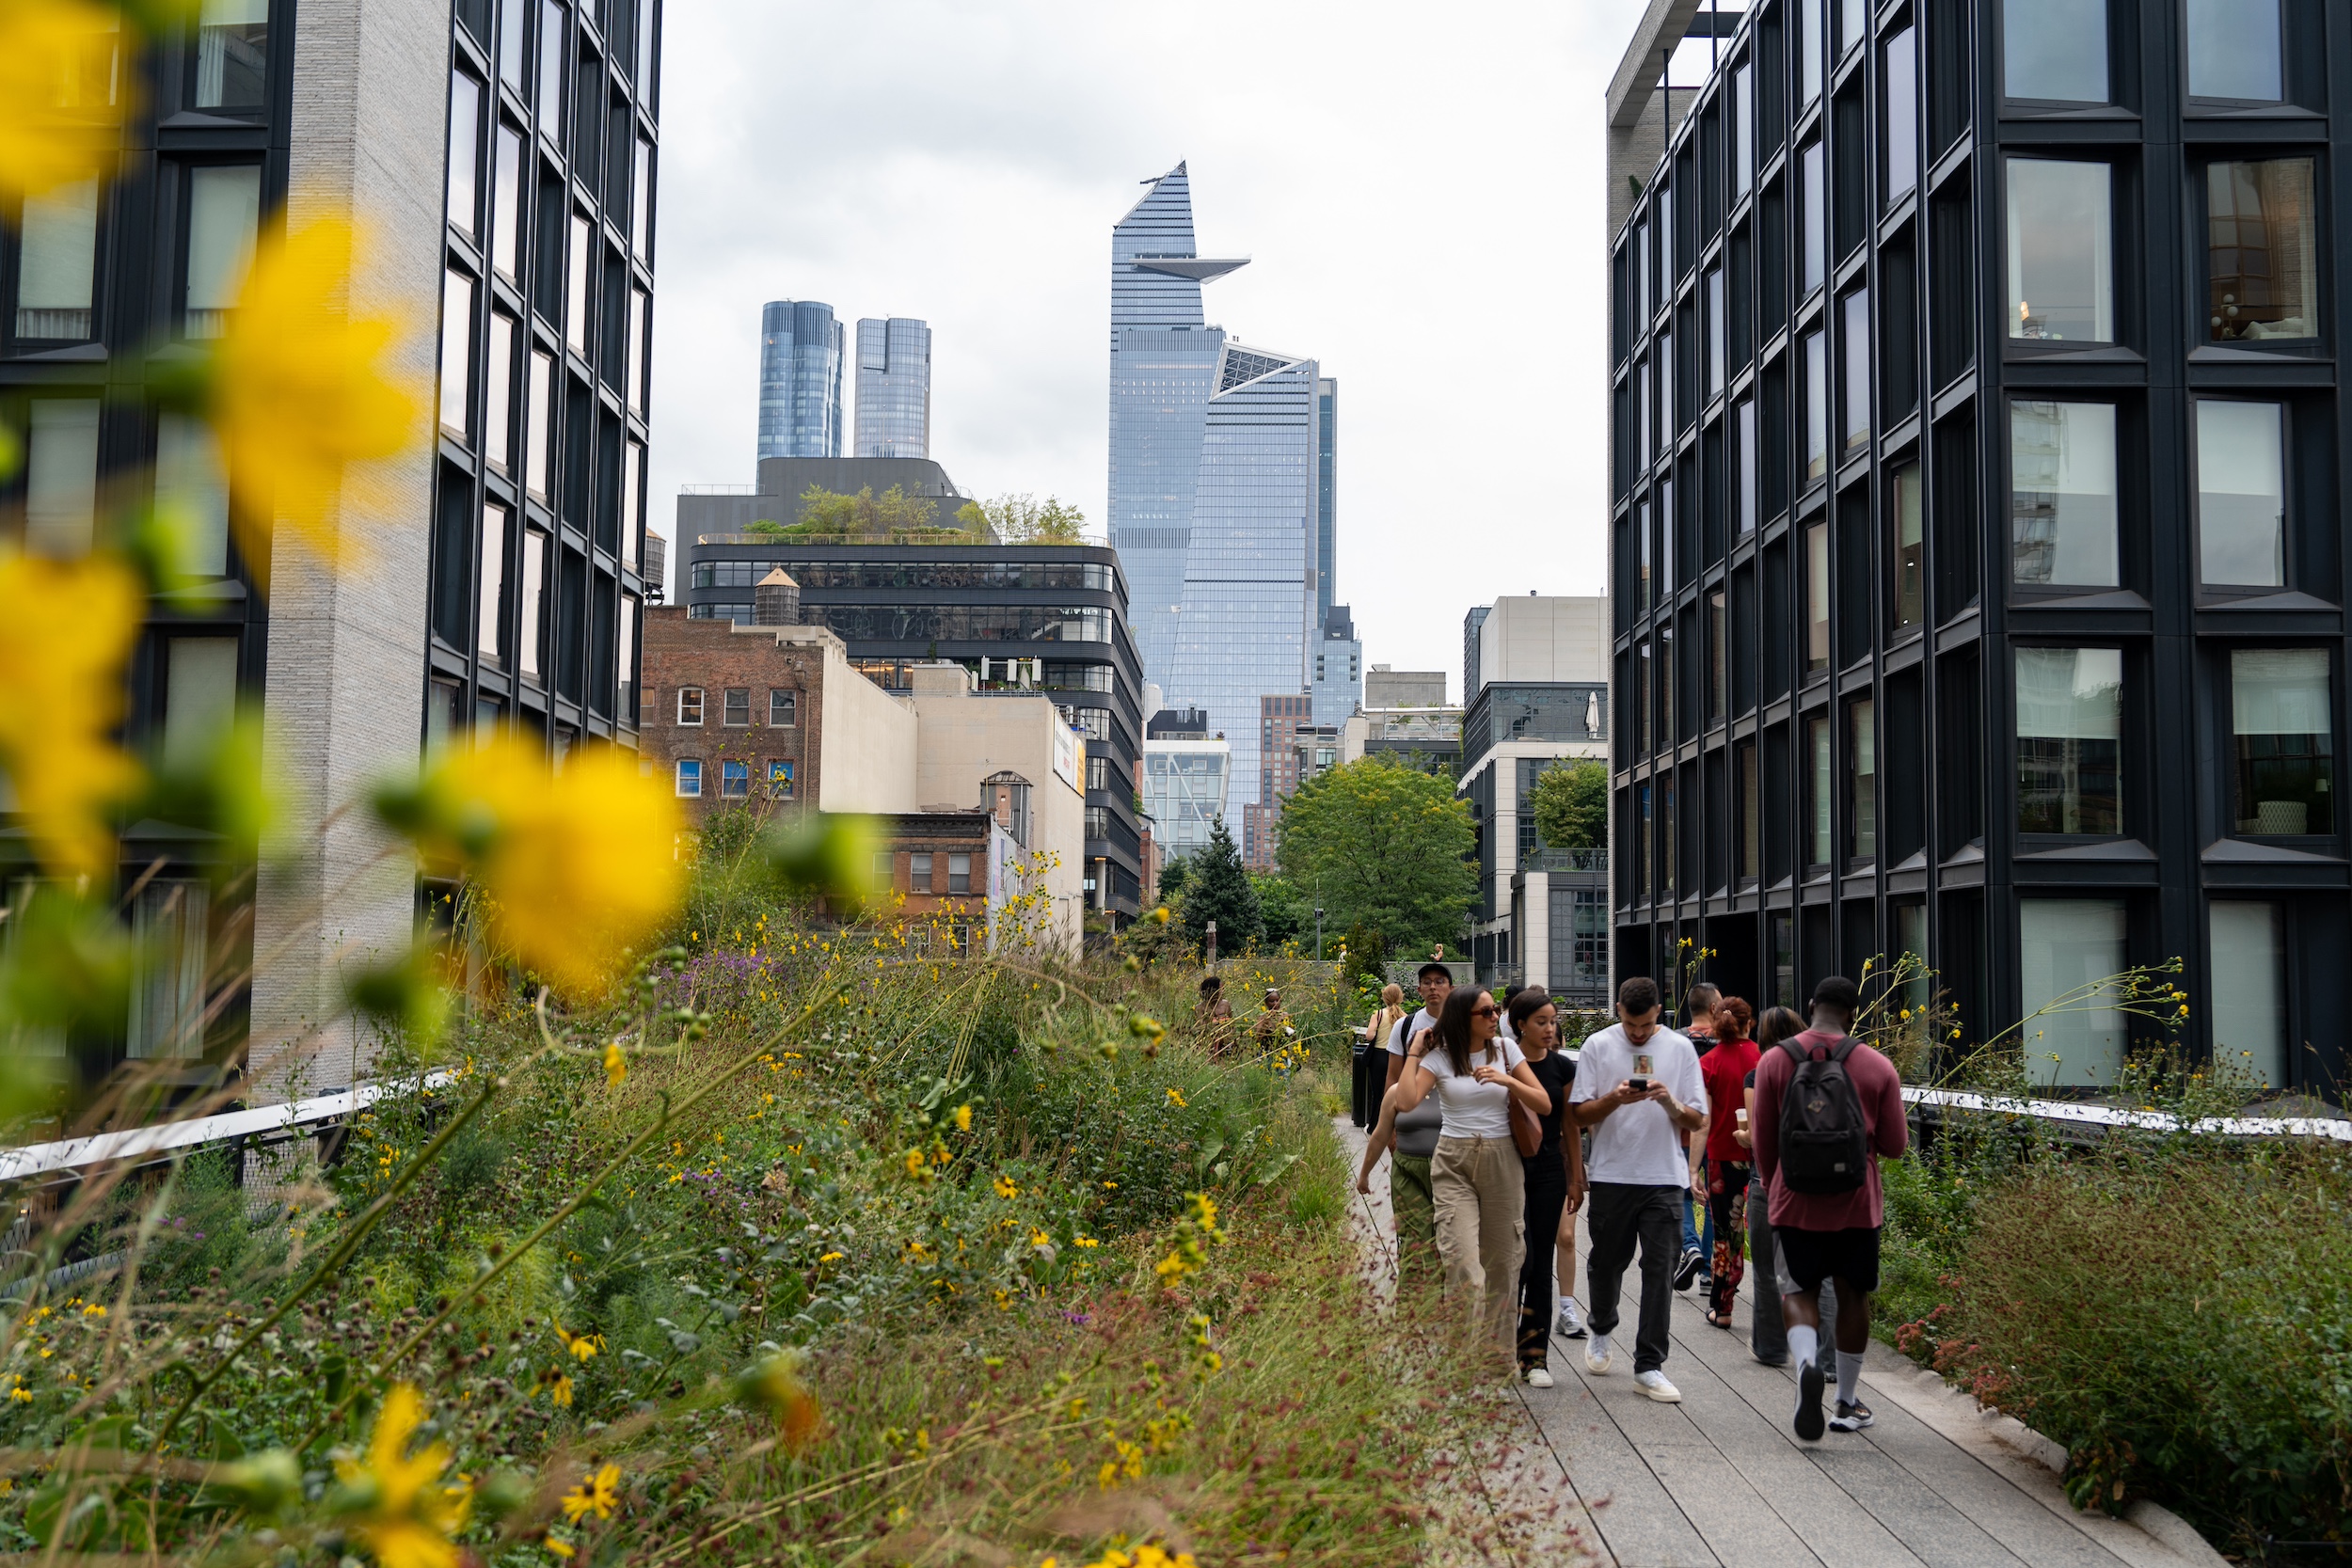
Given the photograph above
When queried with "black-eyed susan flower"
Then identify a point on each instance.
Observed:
(404, 1517)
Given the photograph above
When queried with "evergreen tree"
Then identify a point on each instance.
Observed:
(1217, 888)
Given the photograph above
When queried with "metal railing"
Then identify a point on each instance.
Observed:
(1566, 860)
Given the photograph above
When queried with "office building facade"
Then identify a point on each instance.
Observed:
(1336, 678)
(1979, 568)
(894, 389)
(1292, 748)
(1214, 472)
(498, 162)
(1186, 774)
(1327, 496)
(799, 380)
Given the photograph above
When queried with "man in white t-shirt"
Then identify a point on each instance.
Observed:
(1638, 1088)
(1436, 984)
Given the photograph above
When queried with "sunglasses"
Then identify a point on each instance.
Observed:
(1490, 1010)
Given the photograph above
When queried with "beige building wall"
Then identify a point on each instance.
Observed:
(867, 761)
(966, 737)
(1551, 637)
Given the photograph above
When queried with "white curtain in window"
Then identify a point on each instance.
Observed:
(2070, 693)
(2279, 691)
(59, 251)
(229, 51)
(61, 477)
(2241, 493)
(2065, 945)
(170, 926)
(224, 214)
(2249, 988)
(192, 485)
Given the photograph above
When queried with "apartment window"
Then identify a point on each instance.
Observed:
(736, 712)
(689, 777)
(780, 778)
(1743, 433)
(576, 292)
(1907, 548)
(1813, 216)
(783, 707)
(1806, 30)
(1818, 842)
(1751, 816)
(232, 54)
(1642, 553)
(199, 697)
(1645, 862)
(1643, 449)
(919, 873)
(1663, 205)
(2063, 494)
(625, 667)
(632, 518)
(551, 67)
(1641, 694)
(2054, 50)
(885, 867)
(1856, 335)
(1664, 664)
(2066, 948)
(170, 929)
(1853, 22)
(1862, 780)
(1715, 325)
(1816, 407)
(1097, 772)
(2233, 49)
(2261, 227)
(60, 477)
(1641, 278)
(1900, 129)
(1742, 129)
(506, 201)
(457, 354)
(734, 781)
(636, 389)
(488, 634)
(2280, 707)
(1718, 655)
(690, 705)
(224, 214)
(192, 485)
(58, 262)
(1816, 599)
(2062, 271)
(2241, 493)
(1669, 419)
(539, 424)
(959, 874)
(497, 390)
(2070, 734)
(2250, 992)
(465, 144)
(1669, 837)
(529, 613)
(641, 198)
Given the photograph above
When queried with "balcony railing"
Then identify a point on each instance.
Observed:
(1566, 860)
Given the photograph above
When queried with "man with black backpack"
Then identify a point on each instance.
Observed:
(1828, 1108)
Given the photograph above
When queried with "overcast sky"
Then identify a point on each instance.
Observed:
(1419, 188)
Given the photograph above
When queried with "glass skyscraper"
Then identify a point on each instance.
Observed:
(1213, 506)
(799, 380)
(894, 388)
(1327, 496)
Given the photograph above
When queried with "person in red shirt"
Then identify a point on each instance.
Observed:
(1724, 1069)
(1829, 1235)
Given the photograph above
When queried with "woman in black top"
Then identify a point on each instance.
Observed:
(1551, 1171)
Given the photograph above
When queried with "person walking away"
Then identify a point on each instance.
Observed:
(1476, 1177)
(1698, 1239)
(1722, 1169)
(1828, 1108)
(1215, 1017)
(1554, 1173)
(1767, 1330)
(1410, 1140)
(1372, 1056)
(1271, 1026)
(1435, 983)
(1638, 1088)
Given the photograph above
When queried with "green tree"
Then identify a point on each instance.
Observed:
(1387, 845)
(1023, 519)
(1286, 912)
(1572, 806)
(1217, 888)
(865, 516)
(1173, 878)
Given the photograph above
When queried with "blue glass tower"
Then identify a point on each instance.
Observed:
(1213, 504)
(1326, 497)
(894, 388)
(799, 380)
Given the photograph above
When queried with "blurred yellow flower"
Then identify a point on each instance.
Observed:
(296, 392)
(1006, 1188)
(577, 868)
(63, 93)
(616, 1065)
(408, 1519)
(70, 626)
(1176, 1099)
(598, 1495)
(964, 1119)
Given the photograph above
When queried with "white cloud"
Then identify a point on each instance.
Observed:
(1420, 188)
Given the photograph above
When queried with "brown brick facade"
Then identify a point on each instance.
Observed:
(709, 658)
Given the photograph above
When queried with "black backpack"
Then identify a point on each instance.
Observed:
(1824, 1143)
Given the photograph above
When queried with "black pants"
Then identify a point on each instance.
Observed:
(1546, 1195)
(1621, 1214)
(1371, 1085)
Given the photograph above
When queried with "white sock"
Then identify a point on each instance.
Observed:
(1597, 1347)
(1804, 1344)
(1849, 1376)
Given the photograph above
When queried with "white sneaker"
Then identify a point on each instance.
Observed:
(1598, 1360)
(1654, 1384)
(1571, 1326)
(1536, 1377)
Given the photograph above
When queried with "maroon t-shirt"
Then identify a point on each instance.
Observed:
(1880, 1089)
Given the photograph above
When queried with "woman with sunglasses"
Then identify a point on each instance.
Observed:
(1476, 1176)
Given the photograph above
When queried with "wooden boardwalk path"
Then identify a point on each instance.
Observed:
(1720, 1480)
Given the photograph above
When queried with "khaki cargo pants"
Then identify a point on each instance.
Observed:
(1480, 1192)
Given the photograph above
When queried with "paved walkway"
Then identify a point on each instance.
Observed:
(1721, 1481)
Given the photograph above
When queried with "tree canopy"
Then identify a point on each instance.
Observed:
(1383, 846)
(865, 516)
(1217, 888)
(1023, 519)
(1288, 914)
(1571, 806)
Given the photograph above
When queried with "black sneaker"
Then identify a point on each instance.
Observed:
(1687, 1270)
(1809, 1381)
(1851, 1417)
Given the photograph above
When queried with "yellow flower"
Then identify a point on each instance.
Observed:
(407, 1518)
(64, 88)
(561, 1548)
(562, 1390)
(914, 1162)
(1084, 1241)
(1175, 1098)
(598, 1495)
(93, 1310)
(1006, 1188)
(21, 1394)
(578, 867)
(616, 1065)
(295, 392)
(964, 1119)
(69, 627)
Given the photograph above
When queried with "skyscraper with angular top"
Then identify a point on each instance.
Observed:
(1213, 481)
(894, 388)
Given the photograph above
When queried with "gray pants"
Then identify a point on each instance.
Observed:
(1767, 1326)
